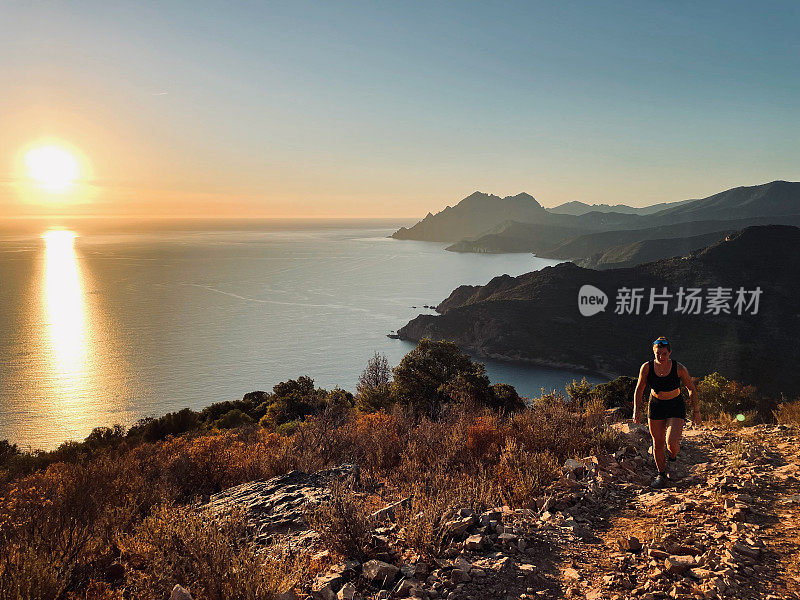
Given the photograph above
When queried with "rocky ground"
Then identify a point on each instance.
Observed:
(727, 526)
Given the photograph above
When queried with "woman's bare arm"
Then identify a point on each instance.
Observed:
(686, 379)
(637, 395)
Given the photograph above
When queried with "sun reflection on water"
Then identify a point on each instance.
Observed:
(71, 403)
(64, 306)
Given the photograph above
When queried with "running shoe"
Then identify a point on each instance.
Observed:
(660, 481)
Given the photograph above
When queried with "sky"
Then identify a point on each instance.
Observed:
(393, 109)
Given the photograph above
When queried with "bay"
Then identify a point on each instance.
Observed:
(107, 322)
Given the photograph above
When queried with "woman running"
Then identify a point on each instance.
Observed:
(666, 410)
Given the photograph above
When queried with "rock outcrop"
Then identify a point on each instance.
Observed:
(277, 506)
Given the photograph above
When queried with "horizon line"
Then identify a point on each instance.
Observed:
(231, 217)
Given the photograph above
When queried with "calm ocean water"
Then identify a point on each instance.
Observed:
(104, 324)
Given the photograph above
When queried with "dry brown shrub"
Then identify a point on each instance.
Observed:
(594, 412)
(318, 442)
(377, 441)
(212, 555)
(210, 463)
(55, 524)
(485, 438)
(788, 413)
(275, 454)
(554, 426)
(427, 449)
(342, 522)
(433, 501)
(420, 522)
(523, 474)
(58, 527)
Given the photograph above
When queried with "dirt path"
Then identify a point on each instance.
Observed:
(728, 525)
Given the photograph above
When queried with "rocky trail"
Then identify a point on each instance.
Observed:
(727, 526)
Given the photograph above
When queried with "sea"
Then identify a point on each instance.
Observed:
(105, 322)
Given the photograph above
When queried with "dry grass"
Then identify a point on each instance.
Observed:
(62, 529)
(212, 555)
(522, 475)
(342, 522)
(788, 413)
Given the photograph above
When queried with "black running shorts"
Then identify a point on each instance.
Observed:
(666, 409)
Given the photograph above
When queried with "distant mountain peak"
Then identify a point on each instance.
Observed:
(521, 196)
(479, 197)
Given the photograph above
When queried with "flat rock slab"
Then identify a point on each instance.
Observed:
(277, 505)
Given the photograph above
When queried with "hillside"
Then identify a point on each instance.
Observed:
(513, 236)
(590, 244)
(580, 208)
(769, 199)
(629, 255)
(439, 493)
(535, 318)
(726, 527)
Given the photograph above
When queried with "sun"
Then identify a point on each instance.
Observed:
(52, 168)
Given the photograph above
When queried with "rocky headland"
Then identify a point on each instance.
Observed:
(535, 317)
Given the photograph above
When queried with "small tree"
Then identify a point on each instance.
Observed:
(294, 400)
(7, 451)
(373, 391)
(470, 388)
(374, 399)
(377, 374)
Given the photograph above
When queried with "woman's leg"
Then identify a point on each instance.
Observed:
(674, 433)
(658, 429)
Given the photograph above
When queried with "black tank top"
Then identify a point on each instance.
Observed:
(669, 382)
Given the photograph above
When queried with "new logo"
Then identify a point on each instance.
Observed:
(591, 300)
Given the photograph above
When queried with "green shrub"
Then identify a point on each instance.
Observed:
(231, 419)
(580, 393)
(719, 395)
(341, 398)
(288, 428)
(7, 451)
(297, 399)
(506, 399)
(435, 374)
(176, 423)
(617, 392)
(374, 399)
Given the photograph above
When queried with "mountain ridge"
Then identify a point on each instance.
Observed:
(481, 214)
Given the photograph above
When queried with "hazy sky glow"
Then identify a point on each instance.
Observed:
(381, 109)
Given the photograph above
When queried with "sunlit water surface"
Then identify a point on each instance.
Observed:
(107, 325)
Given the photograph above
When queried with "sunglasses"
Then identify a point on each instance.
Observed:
(661, 343)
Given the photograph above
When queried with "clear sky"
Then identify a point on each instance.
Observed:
(392, 109)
